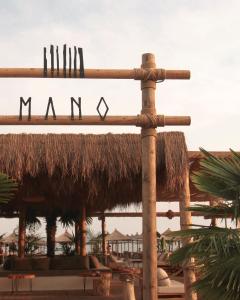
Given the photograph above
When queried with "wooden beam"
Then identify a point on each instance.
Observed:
(148, 136)
(168, 214)
(137, 74)
(142, 120)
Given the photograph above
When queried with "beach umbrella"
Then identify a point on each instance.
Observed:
(64, 238)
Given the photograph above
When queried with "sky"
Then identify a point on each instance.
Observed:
(202, 36)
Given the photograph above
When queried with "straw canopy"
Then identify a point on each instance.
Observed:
(64, 238)
(63, 172)
(117, 236)
(11, 238)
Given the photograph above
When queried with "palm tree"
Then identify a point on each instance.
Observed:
(51, 228)
(7, 188)
(216, 250)
(70, 220)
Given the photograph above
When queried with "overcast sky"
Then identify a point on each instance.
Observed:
(202, 36)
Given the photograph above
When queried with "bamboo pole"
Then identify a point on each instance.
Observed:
(137, 74)
(149, 187)
(185, 222)
(21, 233)
(83, 233)
(143, 120)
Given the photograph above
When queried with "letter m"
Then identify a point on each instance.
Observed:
(22, 102)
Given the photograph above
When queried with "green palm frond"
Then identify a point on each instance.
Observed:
(219, 211)
(216, 251)
(69, 219)
(7, 188)
(220, 177)
(32, 221)
(207, 244)
(222, 280)
(66, 221)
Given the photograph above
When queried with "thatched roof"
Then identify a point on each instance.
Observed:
(64, 171)
(117, 236)
(137, 236)
(11, 238)
(65, 237)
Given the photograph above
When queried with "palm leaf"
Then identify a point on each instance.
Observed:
(7, 188)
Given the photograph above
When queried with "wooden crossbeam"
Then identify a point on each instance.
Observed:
(168, 214)
(137, 74)
(142, 120)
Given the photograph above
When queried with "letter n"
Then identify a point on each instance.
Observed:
(79, 105)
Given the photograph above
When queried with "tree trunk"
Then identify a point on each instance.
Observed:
(83, 233)
(51, 228)
(21, 233)
(103, 236)
(77, 237)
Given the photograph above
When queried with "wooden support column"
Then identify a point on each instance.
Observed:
(83, 233)
(185, 222)
(213, 219)
(77, 238)
(103, 235)
(148, 136)
(51, 228)
(21, 233)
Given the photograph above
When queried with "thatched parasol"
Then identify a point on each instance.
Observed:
(117, 236)
(64, 238)
(11, 238)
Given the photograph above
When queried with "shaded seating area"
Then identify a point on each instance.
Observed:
(80, 175)
(76, 272)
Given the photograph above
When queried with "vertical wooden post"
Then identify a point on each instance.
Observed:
(21, 233)
(213, 219)
(51, 228)
(103, 236)
(148, 136)
(83, 233)
(185, 222)
(77, 238)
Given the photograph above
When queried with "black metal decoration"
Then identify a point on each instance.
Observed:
(28, 102)
(72, 66)
(102, 116)
(50, 103)
(64, 59)
(79, 108)
(70, 62)
(75, 61)
(45, 62)
(81, 71)
(57, 55)
(52, 59)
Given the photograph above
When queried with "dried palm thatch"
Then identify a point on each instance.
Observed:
(101, 171)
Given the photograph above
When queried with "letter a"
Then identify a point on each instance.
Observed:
(50, 103)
